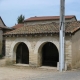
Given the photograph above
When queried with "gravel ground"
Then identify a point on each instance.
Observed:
(27, 73)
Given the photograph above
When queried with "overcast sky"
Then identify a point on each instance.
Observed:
(11, 9)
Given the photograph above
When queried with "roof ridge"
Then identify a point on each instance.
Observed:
(47, 17)
(51, 16)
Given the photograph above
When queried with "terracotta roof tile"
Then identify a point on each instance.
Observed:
(18, 26)
(70, 27)
(48, 18)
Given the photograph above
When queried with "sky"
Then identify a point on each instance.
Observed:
(11, 9)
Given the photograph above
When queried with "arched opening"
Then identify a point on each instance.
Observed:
(50, 55)
(22, 54)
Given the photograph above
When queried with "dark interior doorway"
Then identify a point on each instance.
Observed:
(50, 55)
(22, 54)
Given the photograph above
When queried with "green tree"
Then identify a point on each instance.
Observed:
(20, 19)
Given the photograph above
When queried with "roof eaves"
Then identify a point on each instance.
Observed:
(75, 30)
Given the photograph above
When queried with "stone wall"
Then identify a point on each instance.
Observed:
(35, 44)
(76, 50)
(39, 22)
(1, 38)
(68, 52)
(1, 23)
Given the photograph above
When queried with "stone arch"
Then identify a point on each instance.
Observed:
(39, 45)
(22, 54)
(46, 39)
(14, 45)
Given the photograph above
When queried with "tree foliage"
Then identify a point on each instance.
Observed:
(20, 19)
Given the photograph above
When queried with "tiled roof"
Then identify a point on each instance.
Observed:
(48, 18)
(18, 26)
(70, 27)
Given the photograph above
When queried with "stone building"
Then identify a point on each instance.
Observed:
(38, 44)
(43, 20)
(3, 29)
(47, 19)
